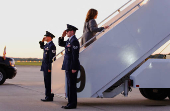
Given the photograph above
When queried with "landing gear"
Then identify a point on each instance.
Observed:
(154, 93)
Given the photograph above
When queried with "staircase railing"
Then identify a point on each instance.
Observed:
(118, 10)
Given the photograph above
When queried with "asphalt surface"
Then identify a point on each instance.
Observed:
(23, 93)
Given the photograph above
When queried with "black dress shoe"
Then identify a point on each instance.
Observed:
(69, 107)
(63, 106)
(47, 99)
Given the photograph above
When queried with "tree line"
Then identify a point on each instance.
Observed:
(27, 59)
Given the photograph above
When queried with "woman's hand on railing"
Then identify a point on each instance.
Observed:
(105, 27)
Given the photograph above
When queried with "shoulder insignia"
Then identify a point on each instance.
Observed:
(75, 47)
(53, 51)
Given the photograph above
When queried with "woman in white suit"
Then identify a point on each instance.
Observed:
(90, 27)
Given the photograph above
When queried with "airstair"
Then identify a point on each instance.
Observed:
(137, 29)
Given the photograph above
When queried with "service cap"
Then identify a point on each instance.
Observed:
(49, 34)
(70, 27)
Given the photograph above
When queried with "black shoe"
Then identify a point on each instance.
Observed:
(69, 107)
(47, 99)
(63, 106)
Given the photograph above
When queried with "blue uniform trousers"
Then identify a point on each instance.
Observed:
(71, 87)
(47, 82)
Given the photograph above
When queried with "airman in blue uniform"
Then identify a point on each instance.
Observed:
(71, 64)
(49, 52)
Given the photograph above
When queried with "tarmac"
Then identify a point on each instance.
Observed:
(23, 93)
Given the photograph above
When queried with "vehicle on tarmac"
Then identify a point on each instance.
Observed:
(7, 68)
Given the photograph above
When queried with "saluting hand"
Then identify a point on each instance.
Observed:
(64, 33)
(43, 39)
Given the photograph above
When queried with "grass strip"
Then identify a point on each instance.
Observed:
(28, 63)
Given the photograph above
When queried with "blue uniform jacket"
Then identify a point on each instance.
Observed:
(49, 53)
(71, 58)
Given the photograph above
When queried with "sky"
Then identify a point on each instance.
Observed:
(23, 23)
